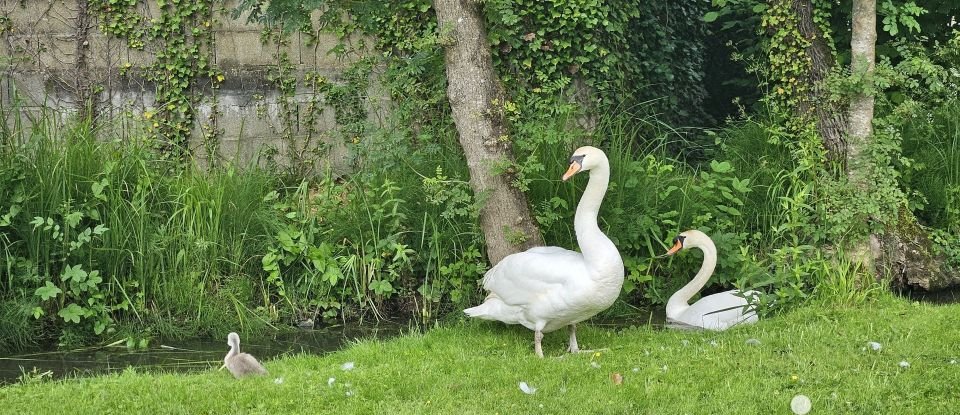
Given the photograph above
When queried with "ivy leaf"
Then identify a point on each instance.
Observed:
(710, 16)
(47, 292)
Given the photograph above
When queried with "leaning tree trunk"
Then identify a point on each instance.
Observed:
(827, 114)
(473, 89)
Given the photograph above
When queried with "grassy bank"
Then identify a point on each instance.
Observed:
(476, 367)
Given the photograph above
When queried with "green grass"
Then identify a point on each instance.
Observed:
(475, 367)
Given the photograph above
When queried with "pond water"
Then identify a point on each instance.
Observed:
(183, 356)
(206, 354)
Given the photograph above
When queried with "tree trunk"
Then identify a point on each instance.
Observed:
(905, 252)
(862, 62)
(473, 91)
(860, 117)
(86, 104)
(830, 119)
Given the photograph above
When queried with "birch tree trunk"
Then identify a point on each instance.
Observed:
(860, 117)
(473, 89)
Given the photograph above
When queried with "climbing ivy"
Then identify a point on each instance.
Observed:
(181, 39)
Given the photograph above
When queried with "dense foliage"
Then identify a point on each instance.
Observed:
(113, 237)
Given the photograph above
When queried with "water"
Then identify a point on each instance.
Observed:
(184, 356)
(207, 354)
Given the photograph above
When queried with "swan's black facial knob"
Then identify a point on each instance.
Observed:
(576, 165)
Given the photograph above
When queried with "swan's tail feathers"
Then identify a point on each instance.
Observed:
(493, 308)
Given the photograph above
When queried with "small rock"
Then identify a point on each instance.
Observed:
(904, 364)
(800, 404)
(752, 342)
(305, 324)
(347, 366)
(874, 346)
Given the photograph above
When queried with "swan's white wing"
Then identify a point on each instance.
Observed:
(523, 277)
(719, 311)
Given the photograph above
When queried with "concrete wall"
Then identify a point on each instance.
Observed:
(39, 48)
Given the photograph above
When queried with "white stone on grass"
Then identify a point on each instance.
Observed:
(800, 404)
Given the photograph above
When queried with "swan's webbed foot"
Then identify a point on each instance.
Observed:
(537, 347)
(574, 347)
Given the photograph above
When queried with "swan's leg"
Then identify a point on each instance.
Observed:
(537, 348)
(574, 347)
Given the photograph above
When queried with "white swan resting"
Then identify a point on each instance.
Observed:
(714, 312)
(546, 288)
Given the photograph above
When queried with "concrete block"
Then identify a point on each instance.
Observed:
(57, 52)
(105, 53)
(42, 16)
(244, 48)
(24, 52)
(28, 88)
(226, 23)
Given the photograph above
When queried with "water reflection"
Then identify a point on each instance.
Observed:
(184, 356)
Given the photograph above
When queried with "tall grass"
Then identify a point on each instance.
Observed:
(933, 142)
(173, 238)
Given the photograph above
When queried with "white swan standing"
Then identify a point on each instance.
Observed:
(546, 288)
(241, 364)
(714, 312)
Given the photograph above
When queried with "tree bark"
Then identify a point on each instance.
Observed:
(473, 89)
(830, 119)
(860, 117)
(862, 63)
(86, 104)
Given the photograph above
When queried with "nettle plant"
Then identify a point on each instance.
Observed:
(69, 283)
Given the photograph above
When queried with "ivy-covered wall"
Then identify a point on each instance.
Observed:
(201, 82)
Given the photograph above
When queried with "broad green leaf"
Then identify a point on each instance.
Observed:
(72, 313)
(48, 291)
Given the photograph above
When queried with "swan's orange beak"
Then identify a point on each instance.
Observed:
(677, 245)
(573, 169)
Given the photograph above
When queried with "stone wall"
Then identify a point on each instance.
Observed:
(42, 45)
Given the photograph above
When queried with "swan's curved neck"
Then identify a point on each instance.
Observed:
(680, 300)
(594, 245)
(234, 350)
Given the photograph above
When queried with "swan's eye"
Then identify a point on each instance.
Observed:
(577, 159)
(679, 240)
